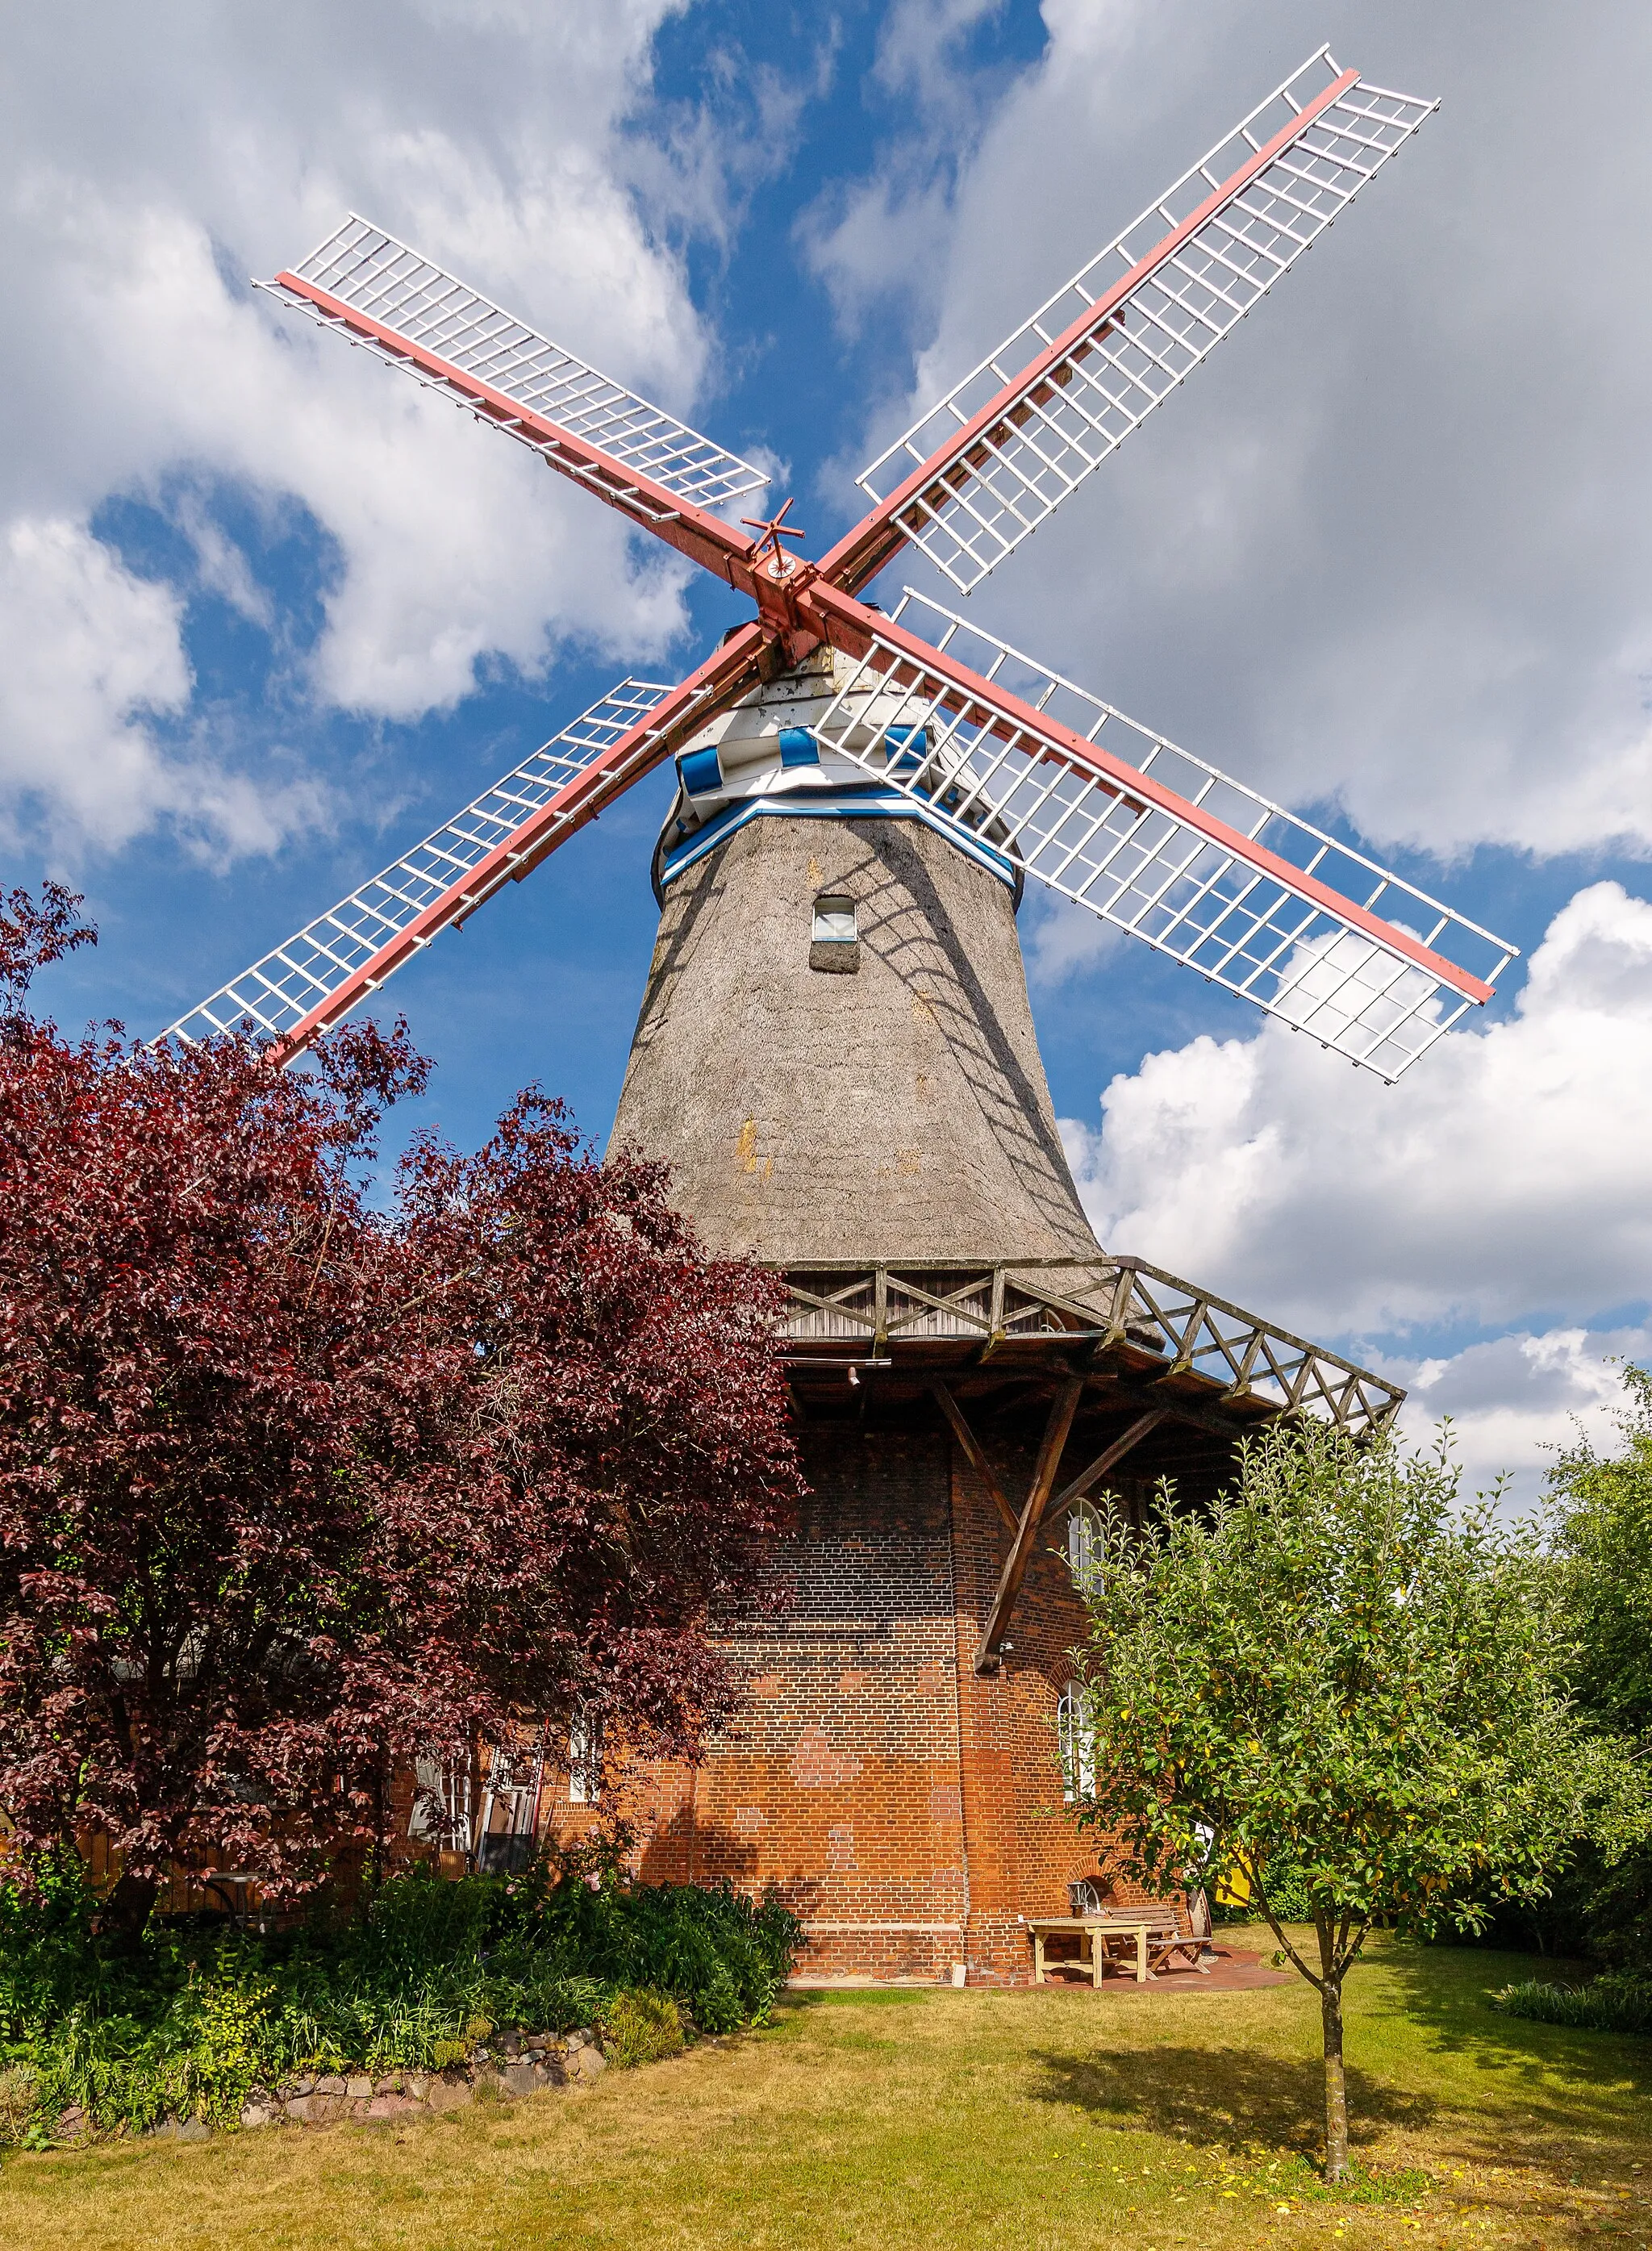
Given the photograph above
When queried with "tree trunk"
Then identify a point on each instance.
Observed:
(127, 1908)
(1336, 2082)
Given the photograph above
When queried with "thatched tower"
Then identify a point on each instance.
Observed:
(836, 1057)
(877, 1095)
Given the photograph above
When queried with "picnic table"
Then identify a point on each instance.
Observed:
(1156, 1942)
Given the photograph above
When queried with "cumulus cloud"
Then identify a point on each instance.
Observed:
(154, 161)
(91, 659)
(1511, 1169)
(879, 244)
(1392, 547)
(1514, 1399)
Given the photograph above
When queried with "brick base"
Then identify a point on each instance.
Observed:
(908, 1810)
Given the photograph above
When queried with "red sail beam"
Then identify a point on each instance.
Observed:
(262, 994)
(694, 531)
(1066, 387)
(856, 630)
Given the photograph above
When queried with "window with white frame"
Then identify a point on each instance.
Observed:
(1083, 1541)
(584, 1759)
(1077, 1741)
(442, 1810)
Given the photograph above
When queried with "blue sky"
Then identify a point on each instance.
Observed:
(266, 620)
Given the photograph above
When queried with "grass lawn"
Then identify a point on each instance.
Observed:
(1046, 2119)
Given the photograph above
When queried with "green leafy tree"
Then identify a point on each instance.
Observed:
(1600, 1526)
(1338, 1669)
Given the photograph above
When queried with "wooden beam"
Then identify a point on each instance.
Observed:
(976, 1459)
(1109, 1455)
(1062, 1409)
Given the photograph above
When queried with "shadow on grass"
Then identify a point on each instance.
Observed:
(1540, 2080)
(1218, 2097)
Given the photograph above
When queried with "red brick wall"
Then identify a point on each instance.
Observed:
(908, 1810)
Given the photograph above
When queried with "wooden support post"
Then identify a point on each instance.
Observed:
(1107, 1457)
(1062, 1409)
(1009, 1585)
(976, 1458)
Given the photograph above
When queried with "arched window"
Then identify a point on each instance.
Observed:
(1083, 1541)
(1077, 1743)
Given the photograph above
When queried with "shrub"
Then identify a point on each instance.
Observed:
(193, 2019)
(1616, 2003)
(641, 2026)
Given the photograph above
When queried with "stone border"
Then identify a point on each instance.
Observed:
(515, 2065)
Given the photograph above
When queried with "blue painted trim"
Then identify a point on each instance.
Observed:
(701, 771)
(841, 805)
(798, 747)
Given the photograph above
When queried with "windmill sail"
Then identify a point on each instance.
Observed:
(352, 943)
(417, 317)
(984, 468)
(1154, 841)
(321, 972)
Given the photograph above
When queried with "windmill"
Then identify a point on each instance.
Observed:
(835, 1051)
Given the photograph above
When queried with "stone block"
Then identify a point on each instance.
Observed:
(359, 2088)
(450, 2092)
(390, 2106)
(331, 2085)
(591, 2063)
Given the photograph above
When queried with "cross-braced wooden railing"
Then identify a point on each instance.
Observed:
(1102, 1303)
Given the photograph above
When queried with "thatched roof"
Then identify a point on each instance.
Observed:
(900, 1113)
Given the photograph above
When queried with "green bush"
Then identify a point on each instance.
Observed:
(196, 2017)
(641, 2026)
(1616, 2003)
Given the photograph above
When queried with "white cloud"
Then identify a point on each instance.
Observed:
(1509, 1171)
(1393, 545)
(1514, 1399)
(90, 658)
(155, 157)
(879, 244)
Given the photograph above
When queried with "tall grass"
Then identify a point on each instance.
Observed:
(1616, 2003)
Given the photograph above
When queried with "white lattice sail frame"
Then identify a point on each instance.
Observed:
(1162, 844)
(1007, 444)
(362, 266)
(283, 989)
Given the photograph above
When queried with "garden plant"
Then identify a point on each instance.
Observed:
(418, 1978)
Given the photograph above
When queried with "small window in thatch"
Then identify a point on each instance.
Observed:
(835, 940)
